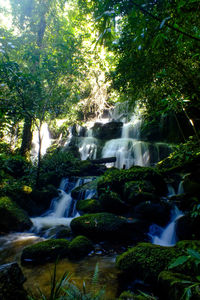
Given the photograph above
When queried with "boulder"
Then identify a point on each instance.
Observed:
(48, 250)
(12, 217)
(79, 247)
(108, 131)
(100, 226)
(11, 282)
(145, 261)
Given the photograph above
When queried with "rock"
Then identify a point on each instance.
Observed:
(139, 191)
(11, 282)
(115, 179)
(48, 250)
(111, 202)
(79, 247)
(145, 261)
(108, 131)
(89, 206)
(156, 213)
(12, 217)
(58, 232)
(100, 226)
(172, 286)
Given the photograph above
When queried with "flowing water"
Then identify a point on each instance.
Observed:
(166, 236)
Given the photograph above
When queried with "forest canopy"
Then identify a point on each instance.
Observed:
(75, 58)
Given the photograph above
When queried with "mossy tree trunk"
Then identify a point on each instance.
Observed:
(26, 137)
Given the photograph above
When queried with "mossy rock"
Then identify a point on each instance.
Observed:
(48, 250)
(115, 179)
(12, 217)
(146, 261)
(79, 247)
(99, 226)
(139, 191)
(89, 206)
(172, 286)
(111, 202)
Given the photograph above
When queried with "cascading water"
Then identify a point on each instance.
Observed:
(166, 236)
(128, 149)
(62, 209)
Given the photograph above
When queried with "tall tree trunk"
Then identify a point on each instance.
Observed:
(39, 155)
(26, 138)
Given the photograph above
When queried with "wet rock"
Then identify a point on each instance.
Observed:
(108, 131)
(12, 217)
(11, 282)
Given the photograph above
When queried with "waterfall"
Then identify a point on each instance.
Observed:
(166, 236)
(62, 209)
(46, 141)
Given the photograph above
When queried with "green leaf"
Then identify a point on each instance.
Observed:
(179, 261)
(193, 254)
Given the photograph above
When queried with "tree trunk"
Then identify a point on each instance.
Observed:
(26, 138)
(39, 156)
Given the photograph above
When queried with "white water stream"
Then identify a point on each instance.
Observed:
(62, 209)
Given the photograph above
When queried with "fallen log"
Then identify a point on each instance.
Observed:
(103, 160)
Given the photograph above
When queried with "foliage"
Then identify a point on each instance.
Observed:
(193, 257)
(157, 52)
(183, 154)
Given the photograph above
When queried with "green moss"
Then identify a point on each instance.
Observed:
(12, 217)
(146, 260)
(80, 246)
(45, 251)
(99, 225)
(115, 179)
(89, 206)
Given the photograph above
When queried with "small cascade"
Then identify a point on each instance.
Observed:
(62, 209)
(88, 146)
(180, 188)
(128, 149)
(166, 236)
